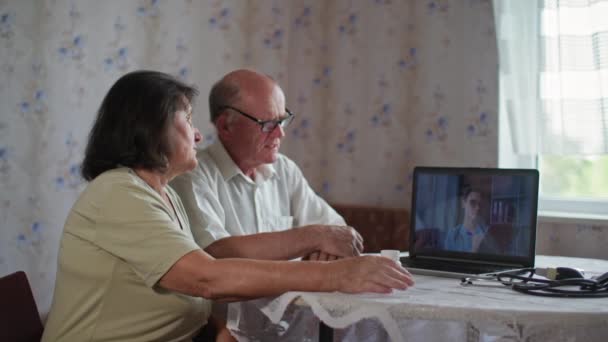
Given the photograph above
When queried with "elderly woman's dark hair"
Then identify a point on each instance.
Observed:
(132, 123)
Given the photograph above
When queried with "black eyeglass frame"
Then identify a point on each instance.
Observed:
(266, 126)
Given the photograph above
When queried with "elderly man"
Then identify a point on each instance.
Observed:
(244, 197)
(246, 200)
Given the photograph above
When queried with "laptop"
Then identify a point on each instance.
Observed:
(472, 221)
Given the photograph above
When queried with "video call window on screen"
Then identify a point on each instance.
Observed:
(486, 214)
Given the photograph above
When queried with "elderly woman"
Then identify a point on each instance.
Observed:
(129, 269)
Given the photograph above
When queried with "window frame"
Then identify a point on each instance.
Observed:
(548, 206)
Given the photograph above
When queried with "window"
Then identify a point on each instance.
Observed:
(554, 98)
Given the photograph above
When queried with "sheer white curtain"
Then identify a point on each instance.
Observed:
(554, 75)
(518, 38)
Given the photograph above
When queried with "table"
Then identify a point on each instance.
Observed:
(441, 309)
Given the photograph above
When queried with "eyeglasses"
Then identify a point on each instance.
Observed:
(268, 125)
(189, 117)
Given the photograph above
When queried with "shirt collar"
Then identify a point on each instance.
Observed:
(462, 231)
(229, 169)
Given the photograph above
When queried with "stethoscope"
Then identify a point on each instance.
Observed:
(526, 281)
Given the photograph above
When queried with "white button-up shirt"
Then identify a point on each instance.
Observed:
(221, 201)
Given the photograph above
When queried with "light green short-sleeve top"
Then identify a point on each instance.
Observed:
(119, 239)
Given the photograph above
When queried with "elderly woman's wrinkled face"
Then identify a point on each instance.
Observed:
(182, 138)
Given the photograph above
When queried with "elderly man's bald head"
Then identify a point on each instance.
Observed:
(235, 87)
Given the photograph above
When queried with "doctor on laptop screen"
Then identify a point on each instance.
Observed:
(485, 214)
(467, 236)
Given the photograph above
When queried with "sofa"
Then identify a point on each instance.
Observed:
(381, 228)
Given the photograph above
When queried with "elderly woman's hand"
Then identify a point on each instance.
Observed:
(320, 256)
(370, 273)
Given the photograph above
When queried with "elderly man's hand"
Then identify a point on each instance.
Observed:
(337, 241)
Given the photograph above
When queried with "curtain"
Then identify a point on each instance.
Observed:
(377, 87)
(438, 201)
(574, 77)
(554, 75)
(518, 38)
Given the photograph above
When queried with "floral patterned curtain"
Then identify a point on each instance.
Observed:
(378, 86)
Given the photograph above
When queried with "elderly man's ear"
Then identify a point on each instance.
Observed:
(222, 126)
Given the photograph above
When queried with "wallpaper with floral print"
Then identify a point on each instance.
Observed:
(378, 86)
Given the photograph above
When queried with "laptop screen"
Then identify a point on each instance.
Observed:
(475, 213)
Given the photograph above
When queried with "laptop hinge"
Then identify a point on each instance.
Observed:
(469, 261)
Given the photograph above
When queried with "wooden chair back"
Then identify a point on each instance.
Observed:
(19, 316)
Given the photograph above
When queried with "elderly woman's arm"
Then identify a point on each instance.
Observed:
(198, 274)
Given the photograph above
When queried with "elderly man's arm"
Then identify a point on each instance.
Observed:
(321, 234)
(339, 241)
(205, 214)
(307, 207)
(310, 208)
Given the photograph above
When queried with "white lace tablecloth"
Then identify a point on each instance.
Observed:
(440, 308)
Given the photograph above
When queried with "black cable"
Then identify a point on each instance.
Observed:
(562, 293)
(529, 284)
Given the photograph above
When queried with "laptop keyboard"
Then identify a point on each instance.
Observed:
(456, 267)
